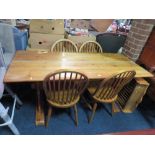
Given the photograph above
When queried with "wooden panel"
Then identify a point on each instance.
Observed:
(151, 92)
(151, 89)
(147, 57)
(151, 39)
(33, 66)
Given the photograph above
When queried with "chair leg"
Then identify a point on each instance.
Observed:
(115, 108)
(14, 129)
(76, 115)
(93, 113)
(7, 119)
(49, 113)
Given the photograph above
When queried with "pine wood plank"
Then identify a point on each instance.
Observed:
(31, 66)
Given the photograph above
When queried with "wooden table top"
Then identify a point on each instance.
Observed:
(33, 66)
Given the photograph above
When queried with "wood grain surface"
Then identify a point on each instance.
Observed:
(33, 66)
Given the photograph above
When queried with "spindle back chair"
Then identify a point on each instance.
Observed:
(64, 45)
(108, 89)
(63, 89)
(90, 47)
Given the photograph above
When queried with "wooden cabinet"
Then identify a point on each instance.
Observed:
(147, 59)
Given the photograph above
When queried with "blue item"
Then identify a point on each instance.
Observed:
(20, 38)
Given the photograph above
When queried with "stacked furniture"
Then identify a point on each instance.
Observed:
(43, 33)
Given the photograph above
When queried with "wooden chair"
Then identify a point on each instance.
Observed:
(107, 90)
(64, 45)
(63, 89)
(91, 46)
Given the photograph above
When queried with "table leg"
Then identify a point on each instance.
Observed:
(115, 107)
(40, 119)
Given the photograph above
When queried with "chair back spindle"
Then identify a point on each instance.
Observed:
(110, 87)
(63, 88)
(64, 45)
(91, 47)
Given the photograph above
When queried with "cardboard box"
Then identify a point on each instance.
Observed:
(80, 23)
(47, 26)
(43, 41)
(101, 25)
(79, 40)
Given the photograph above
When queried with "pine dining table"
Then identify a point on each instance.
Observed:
(33, 66)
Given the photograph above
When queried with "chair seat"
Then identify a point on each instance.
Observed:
(63, 99)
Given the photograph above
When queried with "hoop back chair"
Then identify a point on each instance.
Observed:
(63, 90)
(107, 91)
(91, 47)
(64, 45)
